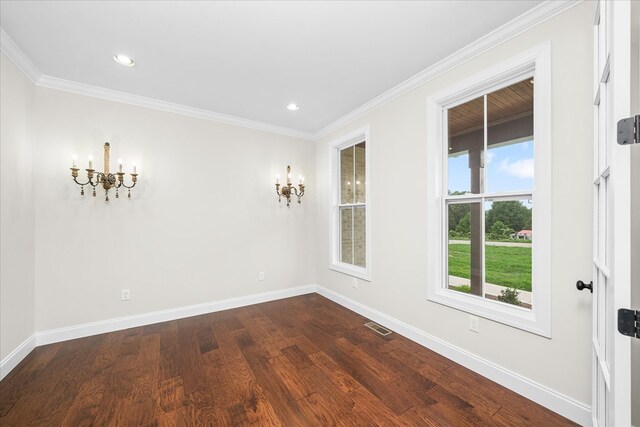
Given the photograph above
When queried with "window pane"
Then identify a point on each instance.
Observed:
(509, 159)
(346, 235)
(347, 175)
(360, 173)
(508, 251)
(359, 236)
(466, 144)
(465, 247)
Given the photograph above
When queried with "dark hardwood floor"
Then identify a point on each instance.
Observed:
(302, 361)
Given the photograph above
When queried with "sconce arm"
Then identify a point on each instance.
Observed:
(128, 186)
(89, 182)
(134, 179)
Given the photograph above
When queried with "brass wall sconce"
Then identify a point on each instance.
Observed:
(288, 189)
(107, 179)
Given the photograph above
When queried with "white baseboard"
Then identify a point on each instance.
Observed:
(557, 402)
(117, 324)
(79, 331)
(16, 356)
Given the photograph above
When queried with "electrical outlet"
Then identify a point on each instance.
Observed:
(126, 294)
(261, 275)
(473, 324)
(354, 283)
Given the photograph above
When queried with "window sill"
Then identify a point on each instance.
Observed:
(351, 270)
(510, 315)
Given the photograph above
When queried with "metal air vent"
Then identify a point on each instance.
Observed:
(377, 328)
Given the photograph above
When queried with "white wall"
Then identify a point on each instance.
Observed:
(203, 222)
(16, 208)
(399, 233)
(204, 219)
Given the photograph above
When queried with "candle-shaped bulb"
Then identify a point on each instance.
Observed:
(289, 178)
(301, 179)
(120, 165)
(277, 179)
(74, 158)
(90, 161)
(134, 168)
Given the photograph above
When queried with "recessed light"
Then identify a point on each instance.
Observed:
(124, 60)
(293, 107)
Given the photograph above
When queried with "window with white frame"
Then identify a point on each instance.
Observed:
(489, 142)
(350, 252)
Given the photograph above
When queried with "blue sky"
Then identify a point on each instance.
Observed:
(509, 168)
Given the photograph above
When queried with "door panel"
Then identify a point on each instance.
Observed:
(611, 220)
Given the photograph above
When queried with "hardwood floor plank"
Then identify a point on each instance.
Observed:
(170, 394)
(296, 356)
(176, 418)
(368, 408)
(419, 364)
(254, 410)
(276, 392)
(191, 365)
(446, 408)
(302, 361)
(335, 373)
(292, 378)
(305, 345)
(380, 370)
(85, 406)
(377, 387)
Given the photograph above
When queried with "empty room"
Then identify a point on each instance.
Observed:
(320, 213)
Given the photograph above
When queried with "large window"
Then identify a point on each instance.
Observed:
(489, 140)
(488, 203)
(350, 213)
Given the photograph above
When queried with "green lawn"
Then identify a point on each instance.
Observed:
(505, 265)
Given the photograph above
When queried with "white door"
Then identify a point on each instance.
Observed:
(611, 403)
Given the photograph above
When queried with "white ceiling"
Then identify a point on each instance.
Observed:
(250, 59)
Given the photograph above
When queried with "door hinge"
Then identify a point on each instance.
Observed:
(629, 322)
(629, 130)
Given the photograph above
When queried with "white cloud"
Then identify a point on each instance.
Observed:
(519, 168)
(489, 156)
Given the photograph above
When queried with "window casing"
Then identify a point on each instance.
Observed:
(448, 205)
(350, 205)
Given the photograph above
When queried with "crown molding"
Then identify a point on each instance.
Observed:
(22, 61)
(522, 23)
(156, 104)
(18, 57)
(516, 26)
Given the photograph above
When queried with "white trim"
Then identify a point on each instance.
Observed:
(156, 104)
(120, 323)
(18, 57)
(349, 139)
(621, 189)
(22, 61)
(16, 356)
(109, 325)
(551, 399)
(519, 25)
(555, 401)
(531, 63)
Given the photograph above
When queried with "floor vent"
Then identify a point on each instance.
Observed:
(377, 328)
